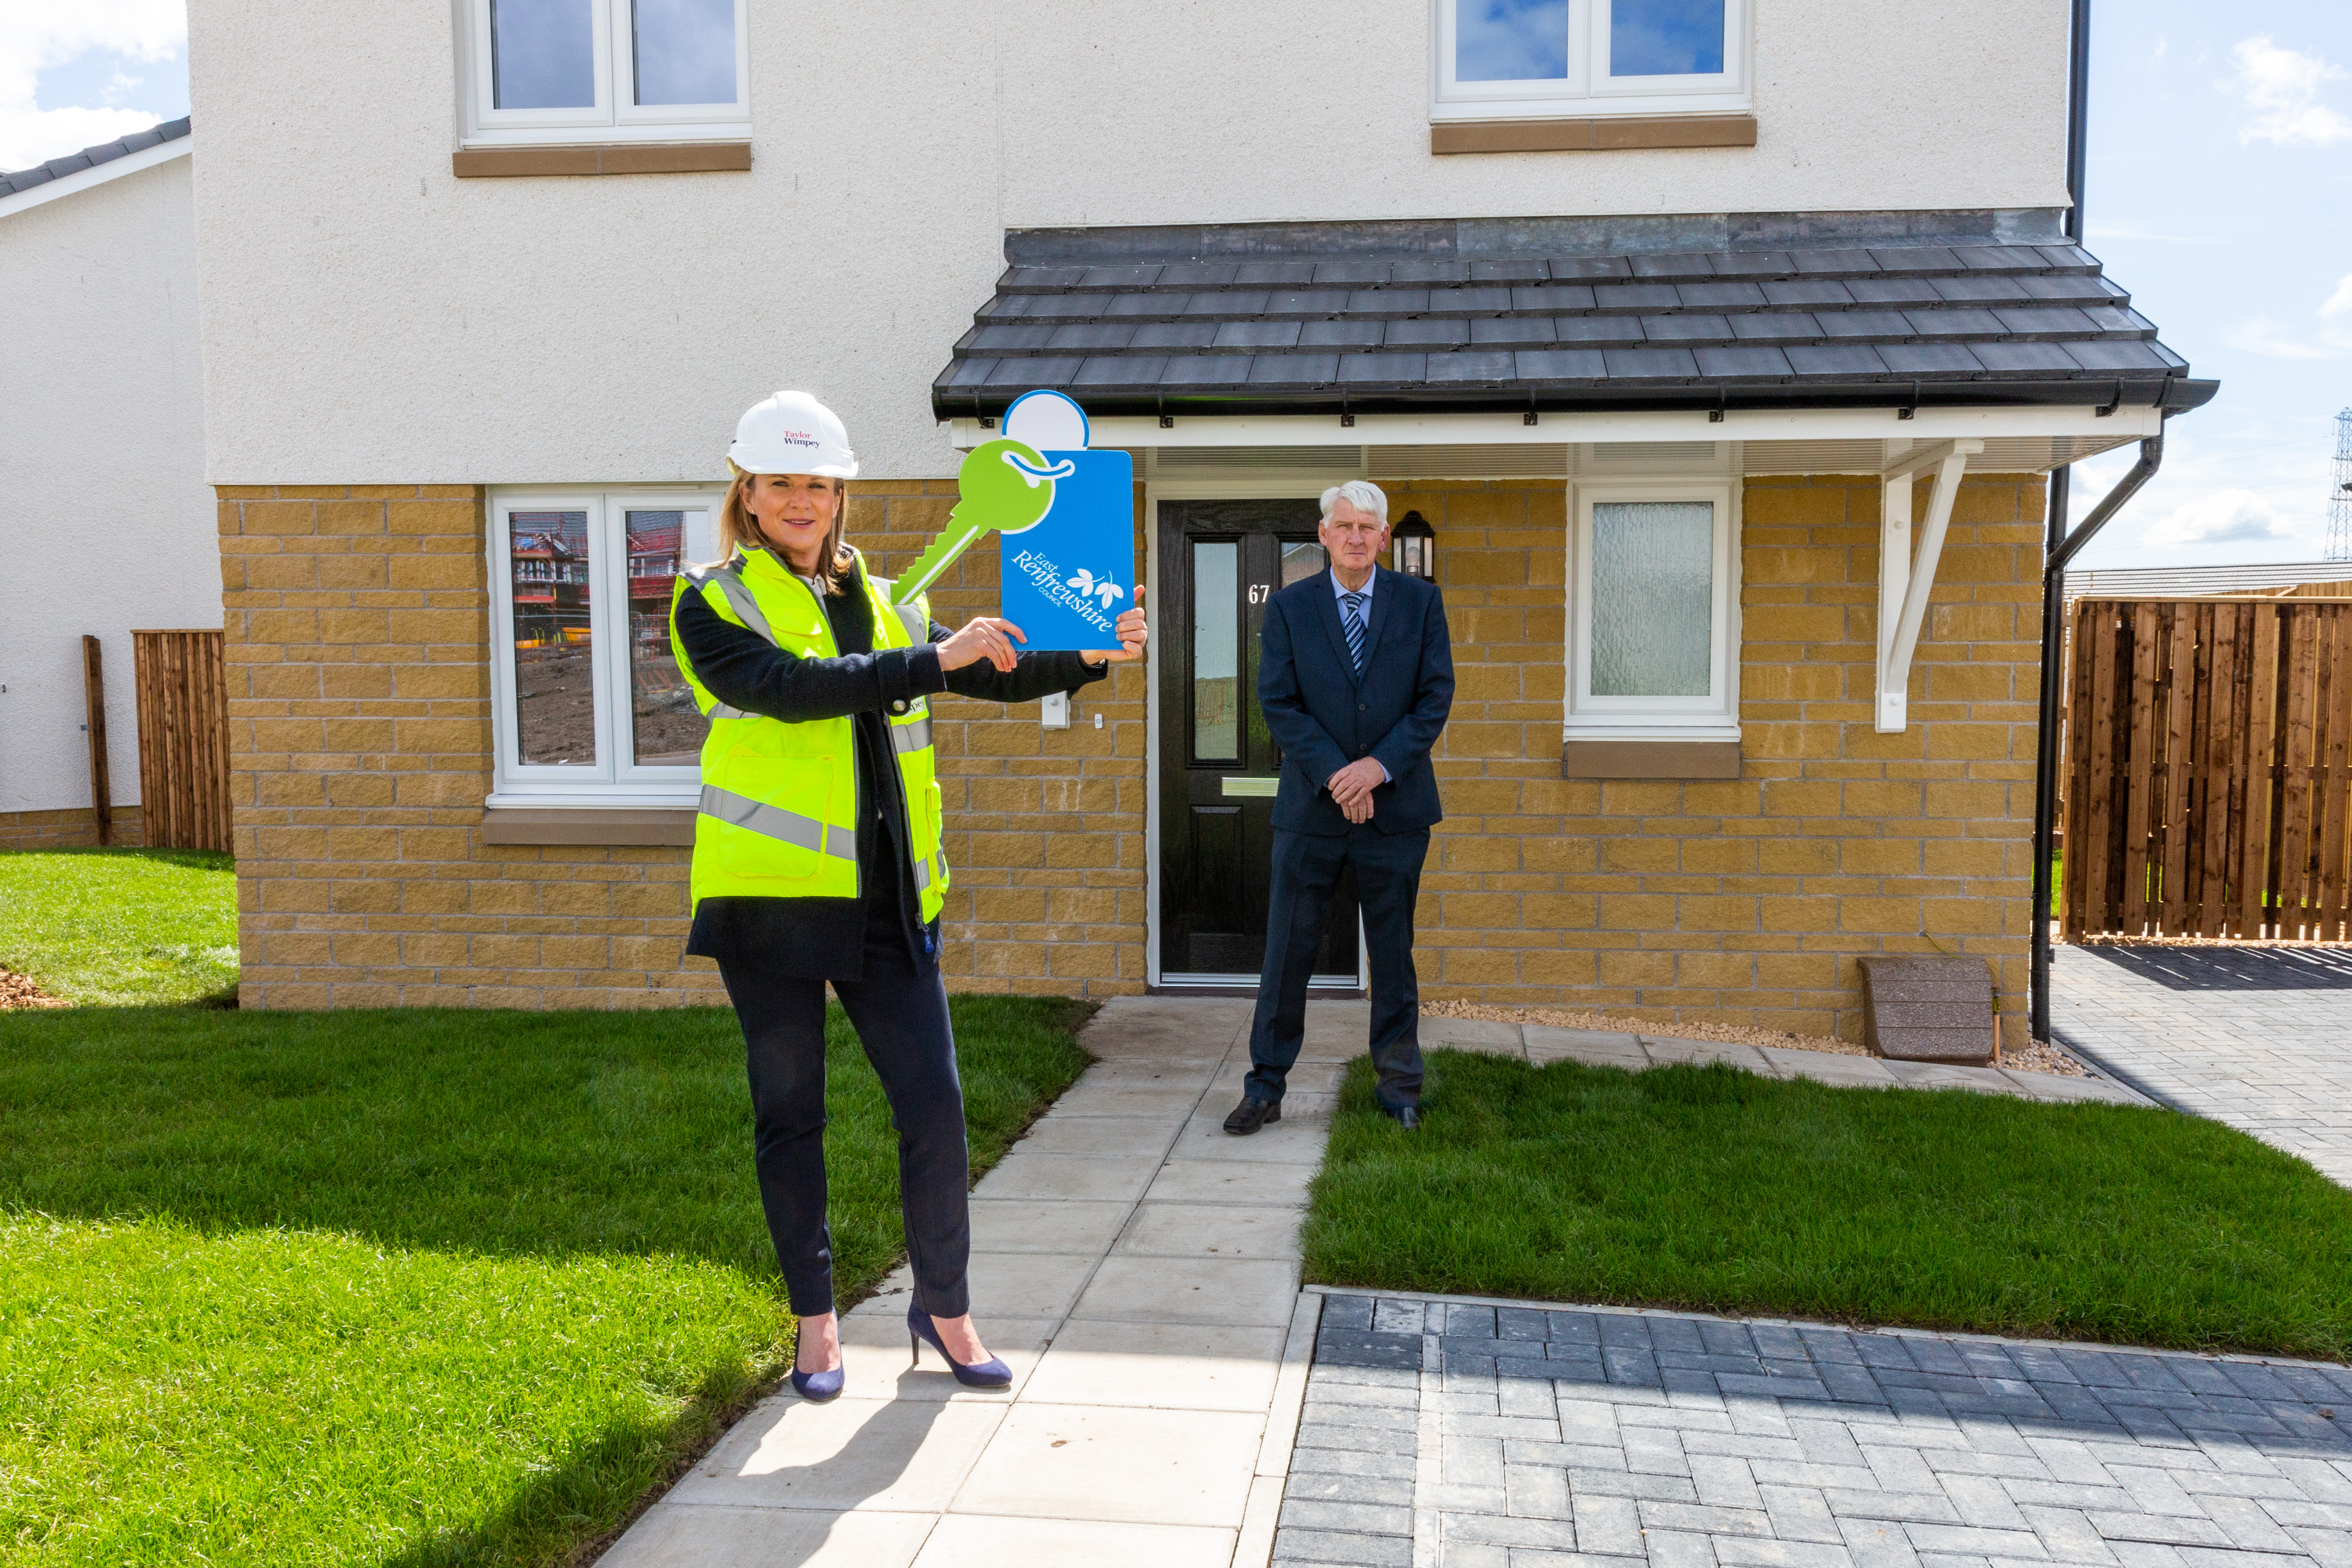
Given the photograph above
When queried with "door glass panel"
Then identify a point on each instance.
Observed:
(685, 51)
(555, 679)
(1653, 598)
(543, 54)
(1300, 562)
(1216, 643)
(666, 725)
(1665, 37)
(1510, 40)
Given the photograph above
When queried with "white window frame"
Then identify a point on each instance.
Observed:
(1714, 717)
(1588, 90)
(615, 779)
(616, 116)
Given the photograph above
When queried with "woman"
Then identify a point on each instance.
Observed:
(816, 853)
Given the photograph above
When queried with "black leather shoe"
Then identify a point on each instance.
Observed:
(1250, 1115)
(1405, 1116)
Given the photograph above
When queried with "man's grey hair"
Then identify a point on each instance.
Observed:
(1361, 494)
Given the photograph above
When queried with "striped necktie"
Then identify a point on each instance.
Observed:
(1353, 619)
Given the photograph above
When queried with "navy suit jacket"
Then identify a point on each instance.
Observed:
(1324, 716)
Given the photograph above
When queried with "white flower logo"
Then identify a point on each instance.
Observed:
(1105, 590)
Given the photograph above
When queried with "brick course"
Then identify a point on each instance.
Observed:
(357, 647)
(70, 827)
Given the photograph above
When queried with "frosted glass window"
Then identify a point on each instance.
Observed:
(1665, 37)
(1653, 598)
(1510, 40)
(1216, 651)
(554, 668)
(666, 726)
(685, 51)
(543, 54)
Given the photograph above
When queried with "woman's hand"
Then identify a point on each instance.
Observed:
(1132, 634)
(984, 636)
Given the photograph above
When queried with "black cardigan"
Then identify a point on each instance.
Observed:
(825, 938)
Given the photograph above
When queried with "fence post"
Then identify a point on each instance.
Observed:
(101, 792)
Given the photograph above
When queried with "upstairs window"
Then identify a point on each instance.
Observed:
(573, 71)
(1508, 59)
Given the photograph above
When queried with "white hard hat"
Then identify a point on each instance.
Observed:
(793, 432)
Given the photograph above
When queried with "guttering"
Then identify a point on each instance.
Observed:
(2173, 394)
(2063, 548)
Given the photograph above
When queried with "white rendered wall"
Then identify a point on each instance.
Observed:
(370, 319)
(106, 521)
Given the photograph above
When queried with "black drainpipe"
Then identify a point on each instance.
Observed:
(2064, 548)
(2078, 117)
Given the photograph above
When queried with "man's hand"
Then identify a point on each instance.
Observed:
(1352, 787)
(1132, 634)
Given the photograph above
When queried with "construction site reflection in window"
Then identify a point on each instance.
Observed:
(666, 725)
(555, 672)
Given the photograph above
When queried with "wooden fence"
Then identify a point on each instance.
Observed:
(2207, 791)
(182, 740)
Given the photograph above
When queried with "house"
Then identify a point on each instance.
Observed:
(105, 520)
(1724, 348)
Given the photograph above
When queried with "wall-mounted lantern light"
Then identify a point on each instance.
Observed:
(1414, 548)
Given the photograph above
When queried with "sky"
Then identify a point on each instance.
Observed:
(2219, 192)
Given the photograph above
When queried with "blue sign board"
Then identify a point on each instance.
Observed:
(1067, 577)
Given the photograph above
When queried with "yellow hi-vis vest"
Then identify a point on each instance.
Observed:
(778, 814)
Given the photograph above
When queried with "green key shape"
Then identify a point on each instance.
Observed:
(1003, 485)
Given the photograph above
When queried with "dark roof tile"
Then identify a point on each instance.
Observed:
(1834, 263)
(1844, 360)
(1577, 268)
(1258, 336)
(1388, 302)
(1673, 266)
(1744, 363)
(1893, 291)
(2127, 356)
(1934, 324)
(1776, 327)
(1979, 288)
(2025, 359)
(1206, 369)
(1916, 258)
(1485, 364)
(1685, 329)
(1727, 295)
(1275, 274)
(1853, 325)
(1635, 296)
(1340, 335)
(1351, 274)
(1196, 275)
(1035, 372)
(1561, 364)
(1294, 369)
(1238, 302)
(1167, 335)
(1091, 339)
(1651, 365)
(1425, 333)
(1121, 370)
(1507, 272)
(2046, 321)
(1754, 264)
(1382, 370)
(1809, 292)
(1550, 298)
(1515, 331)
(1307, 304)
(1929, 359)
(1596, 330)
(1474, 300)
(1428, 272)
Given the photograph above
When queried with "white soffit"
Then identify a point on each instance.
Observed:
(1601, 459)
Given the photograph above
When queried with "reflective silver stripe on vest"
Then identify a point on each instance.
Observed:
(922, 876)
(720, 710)
(774, 821)
(737, 594)
(914, 737)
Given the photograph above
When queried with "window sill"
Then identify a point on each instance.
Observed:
(575, 825)
(1606, 134)
(1649, 759)
(604, 158)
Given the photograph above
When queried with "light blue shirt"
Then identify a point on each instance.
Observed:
(1340, 592)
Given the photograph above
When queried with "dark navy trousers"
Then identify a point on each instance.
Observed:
(1307, 869)
(899, 1008)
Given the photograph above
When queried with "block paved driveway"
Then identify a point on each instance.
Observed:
(2258, 1037)
(1444, 1434)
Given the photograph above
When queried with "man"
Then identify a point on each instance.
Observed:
(1354, 678)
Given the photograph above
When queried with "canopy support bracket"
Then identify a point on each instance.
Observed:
(1906, 575)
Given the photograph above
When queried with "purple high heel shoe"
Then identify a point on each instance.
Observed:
(990, 1374)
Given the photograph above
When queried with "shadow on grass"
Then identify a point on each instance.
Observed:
(541, 1134)
(1715, 1190)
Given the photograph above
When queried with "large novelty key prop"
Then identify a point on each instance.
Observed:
(1006, 486)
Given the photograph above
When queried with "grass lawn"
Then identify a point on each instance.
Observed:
(421, 1287)
(121, 926)
(1715, 1190)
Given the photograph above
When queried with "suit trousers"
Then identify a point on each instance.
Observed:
(1307, 868)
(900, 1009)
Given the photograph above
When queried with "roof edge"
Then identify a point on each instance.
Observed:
(1462, 238)
(2174, 394)
(94, 166)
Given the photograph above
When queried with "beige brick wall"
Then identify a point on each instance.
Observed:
(357, 634)
(1739, 901)
(73, 827)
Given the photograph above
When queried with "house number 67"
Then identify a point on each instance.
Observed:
(1260, 593)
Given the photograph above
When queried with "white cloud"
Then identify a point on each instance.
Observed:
(2282, 91)
(2335, 316)
(2273, 340)
(2224, 517)
(35, 34)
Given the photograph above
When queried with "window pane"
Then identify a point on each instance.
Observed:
(1510, 40)
(1300, 562)
(1216, 649)
(543, 54)
(685, 51)
(1665, 37)
(555, 679)
(667, 726)
(1653, 598)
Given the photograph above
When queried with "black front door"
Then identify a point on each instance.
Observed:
(1220, 560)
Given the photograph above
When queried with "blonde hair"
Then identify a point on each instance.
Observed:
(739, 531)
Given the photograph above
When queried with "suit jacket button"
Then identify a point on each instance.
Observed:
(1363, 707)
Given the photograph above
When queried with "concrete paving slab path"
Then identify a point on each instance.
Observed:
(1138, 1271)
